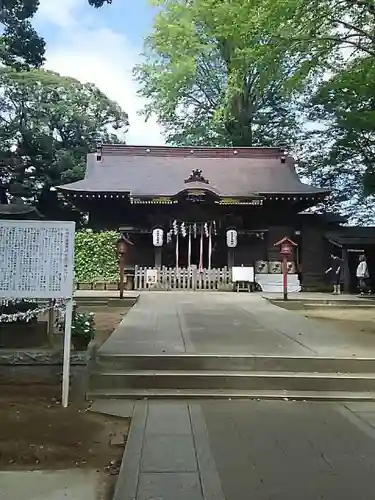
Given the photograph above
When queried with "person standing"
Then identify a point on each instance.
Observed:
(363, 275)
(335, 271)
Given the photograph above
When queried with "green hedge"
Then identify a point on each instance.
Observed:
(95, 256)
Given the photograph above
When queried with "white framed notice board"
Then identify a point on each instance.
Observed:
(243, 274)
(36, 259)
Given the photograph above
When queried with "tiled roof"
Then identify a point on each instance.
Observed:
(162, 171)
(352, 236)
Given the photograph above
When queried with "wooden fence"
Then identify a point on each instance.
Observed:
(171, 278)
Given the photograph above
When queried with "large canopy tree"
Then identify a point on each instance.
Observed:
(341, 152)
(213, 74)
(48, 123)
(20, 45)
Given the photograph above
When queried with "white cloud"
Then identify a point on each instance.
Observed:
(59, 12)
(101, 56)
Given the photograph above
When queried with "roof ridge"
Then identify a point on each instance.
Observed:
(191, 151)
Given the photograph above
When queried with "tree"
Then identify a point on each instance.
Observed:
(342, 24)
(214, 75)
(20, 45)
(99, 3)
(341, 153)
(48, 123)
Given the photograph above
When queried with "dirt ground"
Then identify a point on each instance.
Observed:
(352, 319)
(40, 434)
(36, 433)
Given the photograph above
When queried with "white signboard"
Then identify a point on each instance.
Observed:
(36, 259)
(151, 276)
(243, 274)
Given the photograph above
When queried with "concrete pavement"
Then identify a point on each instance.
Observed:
(261, 450)
(227, 323)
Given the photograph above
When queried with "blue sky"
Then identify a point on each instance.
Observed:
(101, 46)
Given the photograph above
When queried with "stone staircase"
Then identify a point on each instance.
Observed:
(231, 376)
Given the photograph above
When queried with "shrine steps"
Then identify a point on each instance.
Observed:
(231, 376)
(134, 394)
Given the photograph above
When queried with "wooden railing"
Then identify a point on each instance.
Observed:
(171, 278)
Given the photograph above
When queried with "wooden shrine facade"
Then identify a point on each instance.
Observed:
(195, 197)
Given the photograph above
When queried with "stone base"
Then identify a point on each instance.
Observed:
(39, 371)
(23, 335)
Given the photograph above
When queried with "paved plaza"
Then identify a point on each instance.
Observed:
(228, 323)
(240, 449)
(261, 450)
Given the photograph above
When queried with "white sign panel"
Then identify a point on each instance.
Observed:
(243, 274)
(36, 259)
(151, 276)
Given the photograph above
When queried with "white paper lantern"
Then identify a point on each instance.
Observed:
(157, 237)
(232, 238)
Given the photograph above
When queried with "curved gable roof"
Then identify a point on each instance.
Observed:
(161, 171)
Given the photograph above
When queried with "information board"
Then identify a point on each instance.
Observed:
(36, 259)
(243, 274)
(151, 276)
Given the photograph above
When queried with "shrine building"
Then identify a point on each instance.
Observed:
(200, 211)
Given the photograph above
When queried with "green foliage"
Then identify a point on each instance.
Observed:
(48, 123)
(99, 3)
(213, 75)
(341, 152)
(95, 256)
(20, 45)
(83, 325)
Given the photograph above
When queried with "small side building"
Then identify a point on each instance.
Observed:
(195, 195)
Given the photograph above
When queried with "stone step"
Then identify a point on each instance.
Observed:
(126, 302)
(238, 362)
(233, 380)
(168, 394)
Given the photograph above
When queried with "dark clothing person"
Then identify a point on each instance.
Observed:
(335, 273)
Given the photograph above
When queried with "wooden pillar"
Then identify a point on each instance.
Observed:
(158, 256)
(122, 275)
(230, 258)
(346, 272)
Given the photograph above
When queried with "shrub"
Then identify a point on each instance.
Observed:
(83, 325)
(95, 256)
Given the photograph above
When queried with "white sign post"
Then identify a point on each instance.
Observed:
(36, 262)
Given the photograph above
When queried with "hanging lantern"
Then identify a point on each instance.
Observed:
(157, 237)
(232, 238)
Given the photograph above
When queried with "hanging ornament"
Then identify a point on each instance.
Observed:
(175, 227)
(169, 236)
(214, 227)
(183, 230)
(232, 238)
(206, 229)
(157, 237)
(195, 230)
